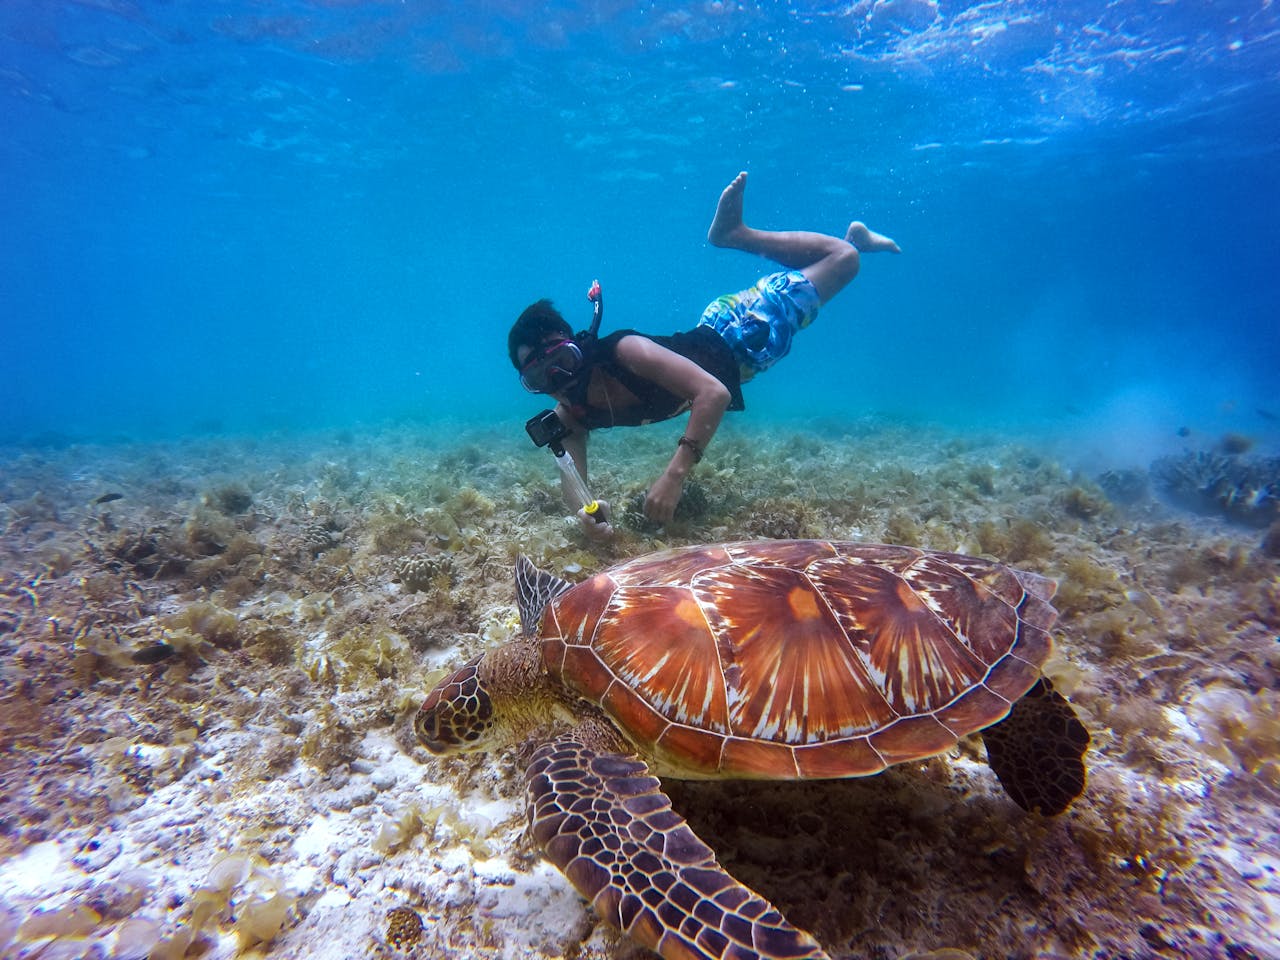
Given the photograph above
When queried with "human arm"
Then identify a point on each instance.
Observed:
(708, 399)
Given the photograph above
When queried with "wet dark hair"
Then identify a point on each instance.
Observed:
(531, 329)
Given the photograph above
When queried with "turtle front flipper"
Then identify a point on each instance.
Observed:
(1037, 751)
(534, 590)
(605, 822)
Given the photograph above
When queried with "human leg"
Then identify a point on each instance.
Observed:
(828, 262)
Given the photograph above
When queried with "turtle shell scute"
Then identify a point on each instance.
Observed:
(796, 659)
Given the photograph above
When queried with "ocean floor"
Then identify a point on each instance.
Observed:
(213, 649)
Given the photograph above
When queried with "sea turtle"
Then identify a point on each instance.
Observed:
(777, 660)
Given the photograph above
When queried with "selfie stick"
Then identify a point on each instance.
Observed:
(568, 469)
(574, 483)
(547, 430)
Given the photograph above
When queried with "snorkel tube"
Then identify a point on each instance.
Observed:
(597, 314)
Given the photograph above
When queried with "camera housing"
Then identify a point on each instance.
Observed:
(546, 429)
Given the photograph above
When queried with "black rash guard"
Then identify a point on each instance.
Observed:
(610, 395)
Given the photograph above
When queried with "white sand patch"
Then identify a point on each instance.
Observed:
(310, 839)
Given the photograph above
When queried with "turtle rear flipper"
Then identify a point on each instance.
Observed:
(1037, 751)
(605, 822)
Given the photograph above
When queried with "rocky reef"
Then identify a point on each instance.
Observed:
(213, 651)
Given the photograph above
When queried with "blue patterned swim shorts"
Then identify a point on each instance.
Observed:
(759, 322)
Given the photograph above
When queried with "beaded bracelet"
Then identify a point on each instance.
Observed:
(693, 447)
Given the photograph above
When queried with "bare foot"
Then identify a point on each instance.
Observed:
(868, 241)
(727, 223)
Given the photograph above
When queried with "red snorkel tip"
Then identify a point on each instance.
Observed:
(594, 293)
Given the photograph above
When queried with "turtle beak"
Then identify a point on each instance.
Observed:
(429, 727)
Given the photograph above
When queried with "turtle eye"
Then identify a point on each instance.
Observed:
(457, 713)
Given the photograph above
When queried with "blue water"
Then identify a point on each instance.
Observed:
(248, 216)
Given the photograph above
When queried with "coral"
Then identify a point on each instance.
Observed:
(404, 928)
(321, 533)
(426, 572)
(1237, 488)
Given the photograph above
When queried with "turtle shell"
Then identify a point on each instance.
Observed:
(797, 659)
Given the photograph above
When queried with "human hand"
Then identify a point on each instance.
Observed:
(660, 502)
(596, 525)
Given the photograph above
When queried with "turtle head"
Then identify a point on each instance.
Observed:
(457, 716)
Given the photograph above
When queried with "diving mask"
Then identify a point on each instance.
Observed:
(552, 367)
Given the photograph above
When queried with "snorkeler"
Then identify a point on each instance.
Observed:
(630, 379)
